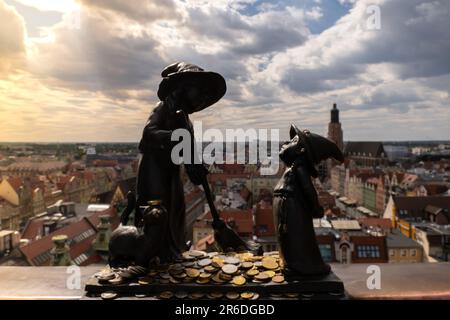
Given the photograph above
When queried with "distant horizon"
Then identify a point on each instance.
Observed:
(137, 142)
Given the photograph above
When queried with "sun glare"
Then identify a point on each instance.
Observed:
(63, 6)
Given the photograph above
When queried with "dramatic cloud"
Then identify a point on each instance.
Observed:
(12, 39)
(283, 61)
(143, 11)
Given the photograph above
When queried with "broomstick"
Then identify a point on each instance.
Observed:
(225, 236)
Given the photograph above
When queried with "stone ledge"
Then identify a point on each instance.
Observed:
(398, 281)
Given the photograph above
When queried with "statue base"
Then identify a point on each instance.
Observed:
(328, 287)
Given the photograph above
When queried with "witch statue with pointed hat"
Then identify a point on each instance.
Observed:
(184, 89)
(296, 203)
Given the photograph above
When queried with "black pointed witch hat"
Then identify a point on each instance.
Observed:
(317, 148)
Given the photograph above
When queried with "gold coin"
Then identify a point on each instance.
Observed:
(247, 295)
(193, 273)
(270, 273)
(229, 268)
(232, 295)
(247, 265)
(278, 279)
(292, 295)
(205, 275)
(108, 295)
(202, 280)
(210, 269)
(269, 263)
(166, 295)
(246, 256)
(239, 280)
(252, 272)
(145, 280)
(164, 281)
(217, 262)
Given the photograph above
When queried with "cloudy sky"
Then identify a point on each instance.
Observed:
(87, 70)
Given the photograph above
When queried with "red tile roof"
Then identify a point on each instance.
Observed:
(78, 244)
(15, 183)
(42, 247)
(33, 229)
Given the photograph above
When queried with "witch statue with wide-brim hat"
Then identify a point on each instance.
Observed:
(296, 203)
(189, 88)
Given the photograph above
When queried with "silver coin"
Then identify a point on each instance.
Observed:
(108, 295)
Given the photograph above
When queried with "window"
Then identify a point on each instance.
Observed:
(391, 252)
(403, 252)
(325, 251)
(412, 252)
(368, 251)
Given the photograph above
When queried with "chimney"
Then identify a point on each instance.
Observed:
(48, 227)
(101, 242)
(60, 252)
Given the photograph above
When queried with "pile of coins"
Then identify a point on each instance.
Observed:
(214, 268)
(204, 268)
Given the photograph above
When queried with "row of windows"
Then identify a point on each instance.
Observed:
(404, 252)
(80, 259)
(42, 258)
(368, 251)
(82, 236)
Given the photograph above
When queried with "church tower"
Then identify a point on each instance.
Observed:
(335, 133)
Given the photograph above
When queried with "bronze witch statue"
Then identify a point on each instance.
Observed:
(296, 203)
(159, 204)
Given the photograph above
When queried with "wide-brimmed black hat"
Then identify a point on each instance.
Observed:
(317, 148)
(211, 83)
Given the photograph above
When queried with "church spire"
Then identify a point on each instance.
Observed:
(334, 128)
(335, 114)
